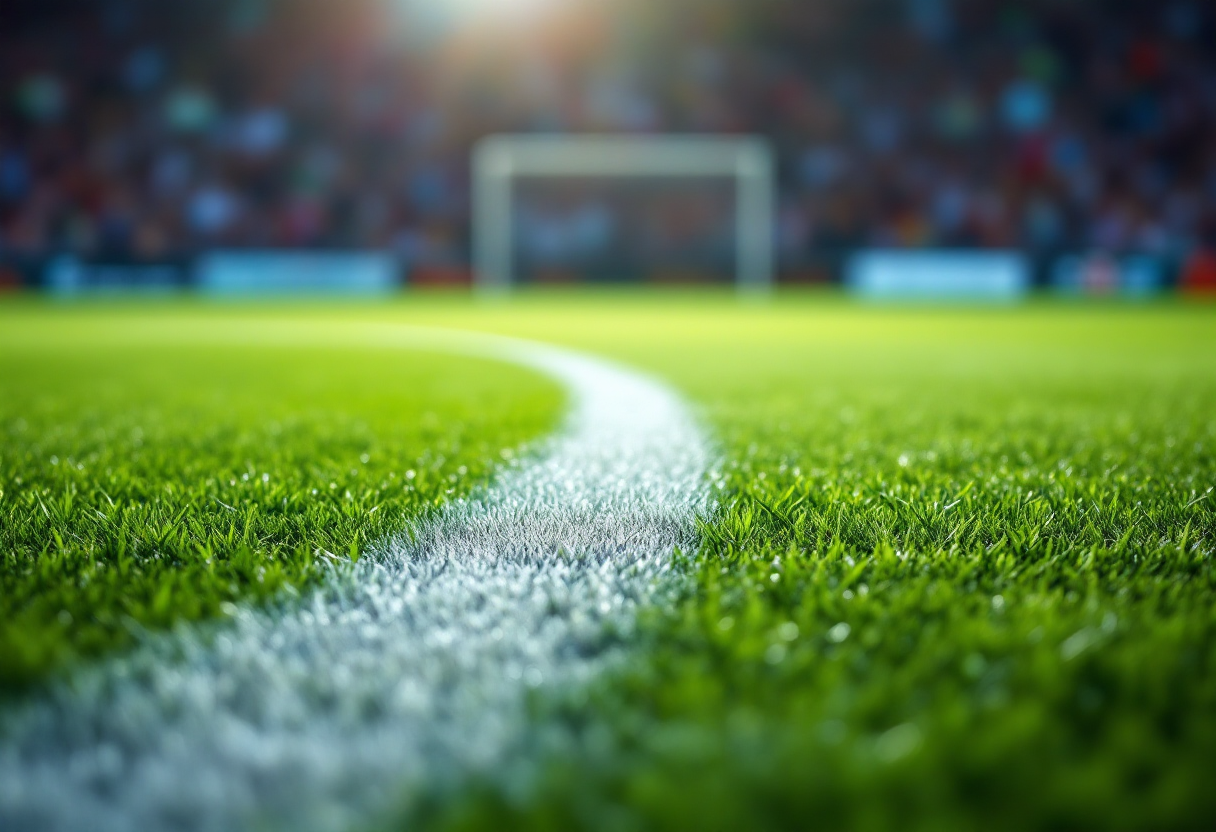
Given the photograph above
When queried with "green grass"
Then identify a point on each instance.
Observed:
(961, 575)
(149, 477)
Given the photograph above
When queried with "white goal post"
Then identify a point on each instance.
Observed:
(499, 160)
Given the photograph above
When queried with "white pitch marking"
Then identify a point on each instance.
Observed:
(408, 675)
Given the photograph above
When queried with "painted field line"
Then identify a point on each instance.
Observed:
(409, 675)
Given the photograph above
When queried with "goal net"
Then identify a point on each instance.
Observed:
(619, 206)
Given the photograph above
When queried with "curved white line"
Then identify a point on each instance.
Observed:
(320, 714)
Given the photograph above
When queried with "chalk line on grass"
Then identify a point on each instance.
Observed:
(406, 675)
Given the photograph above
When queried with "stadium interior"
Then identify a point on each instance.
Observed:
(137, 135)
(607, 415)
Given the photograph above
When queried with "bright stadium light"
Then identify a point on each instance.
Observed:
(499, 160)
(499, 11)
(500, 8)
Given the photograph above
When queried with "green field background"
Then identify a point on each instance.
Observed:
(959, 576)
(156, 468)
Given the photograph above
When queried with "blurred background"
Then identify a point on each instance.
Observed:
(148, 145)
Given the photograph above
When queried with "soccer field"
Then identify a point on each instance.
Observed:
(957, 571)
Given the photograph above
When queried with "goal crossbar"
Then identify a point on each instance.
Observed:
(499, 160)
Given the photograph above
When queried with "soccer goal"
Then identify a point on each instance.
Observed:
(500, 162)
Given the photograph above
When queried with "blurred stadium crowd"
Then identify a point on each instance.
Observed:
(153, 129)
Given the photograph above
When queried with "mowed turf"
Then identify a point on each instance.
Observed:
(151, 475)
(960, 575)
